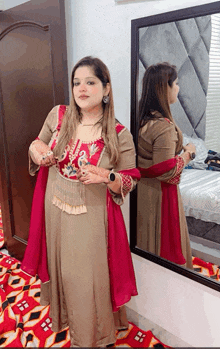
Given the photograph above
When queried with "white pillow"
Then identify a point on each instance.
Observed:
(201, 152)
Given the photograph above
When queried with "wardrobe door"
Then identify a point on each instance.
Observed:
(33, 79)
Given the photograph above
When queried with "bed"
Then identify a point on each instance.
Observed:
(200, 191)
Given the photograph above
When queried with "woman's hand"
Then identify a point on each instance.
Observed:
(190, 147)
(41, 153)
(90, 174)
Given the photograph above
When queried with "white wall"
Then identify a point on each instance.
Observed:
(12, 3)
(2, 5)
(102, 28)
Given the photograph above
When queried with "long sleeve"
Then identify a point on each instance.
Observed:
(126, 161)
(49, 126)
(46, 134)
(157, 144)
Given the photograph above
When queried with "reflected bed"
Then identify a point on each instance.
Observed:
(200, 191)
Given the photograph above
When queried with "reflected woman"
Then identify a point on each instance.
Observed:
(162, 227)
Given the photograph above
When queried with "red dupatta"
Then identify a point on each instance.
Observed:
(35, 257)
(170, 225)
(122, 278)
(121, 272)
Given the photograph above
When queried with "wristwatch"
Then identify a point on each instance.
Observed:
(192, 155)
(111, 176)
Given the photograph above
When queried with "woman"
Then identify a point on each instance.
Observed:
(162, 227)
(91, 160)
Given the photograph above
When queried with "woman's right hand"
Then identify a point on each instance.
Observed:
(190, 147)
(41, 153)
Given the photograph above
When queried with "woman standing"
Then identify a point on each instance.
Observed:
(162, 227)
(91, 160)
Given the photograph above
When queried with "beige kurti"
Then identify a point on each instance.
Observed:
(79, 290)
(158, 141)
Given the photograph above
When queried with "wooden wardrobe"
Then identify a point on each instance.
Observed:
(33, 65)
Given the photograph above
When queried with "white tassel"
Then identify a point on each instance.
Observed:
(67, 208)
(69, 195)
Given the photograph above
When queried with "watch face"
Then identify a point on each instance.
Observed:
(193, 155)
(112, 177)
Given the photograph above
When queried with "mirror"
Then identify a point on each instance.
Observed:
(189, 39)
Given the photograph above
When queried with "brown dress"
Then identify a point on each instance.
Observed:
(158, 141)
(79, 291)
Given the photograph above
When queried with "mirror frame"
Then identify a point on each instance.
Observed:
(136, 24)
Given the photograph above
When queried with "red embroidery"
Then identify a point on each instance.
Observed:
(126, 184)
(179, 167)
(119, 128)
(61, 112)
(80, 153)
(170, 122)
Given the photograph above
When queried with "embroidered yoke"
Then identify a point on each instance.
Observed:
(69, 195)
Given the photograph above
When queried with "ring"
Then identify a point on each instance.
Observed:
(84, 173)
(49, 153)
(43, 157)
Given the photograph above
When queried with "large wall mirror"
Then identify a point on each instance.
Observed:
(190, 40)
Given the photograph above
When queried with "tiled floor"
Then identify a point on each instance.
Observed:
(163, 335)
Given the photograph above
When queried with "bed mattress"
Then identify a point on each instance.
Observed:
(200, 191)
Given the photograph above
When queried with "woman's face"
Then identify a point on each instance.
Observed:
(173, 92)
(88, 90)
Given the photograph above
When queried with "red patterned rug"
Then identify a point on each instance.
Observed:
(207, 269)
(25, 323)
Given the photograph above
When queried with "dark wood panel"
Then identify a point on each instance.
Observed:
(28, 81)
(52, 13)
(33, 80)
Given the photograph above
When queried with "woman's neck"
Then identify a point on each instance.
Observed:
(91, 116)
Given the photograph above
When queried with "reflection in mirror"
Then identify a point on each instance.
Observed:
(163, 230)
(193, 46)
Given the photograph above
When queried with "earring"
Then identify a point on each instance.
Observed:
(105, 99)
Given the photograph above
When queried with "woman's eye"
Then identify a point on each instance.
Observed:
(90, 82)
(75, 83)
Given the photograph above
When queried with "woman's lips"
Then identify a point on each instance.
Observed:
(83, 97)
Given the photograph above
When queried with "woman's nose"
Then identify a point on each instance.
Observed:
(82, 87)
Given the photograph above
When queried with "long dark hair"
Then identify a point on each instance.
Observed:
(155, 91)
(73, 115)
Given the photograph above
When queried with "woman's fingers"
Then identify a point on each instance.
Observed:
(82, 171)
(83, 177)
(52, 159)
(48, 159)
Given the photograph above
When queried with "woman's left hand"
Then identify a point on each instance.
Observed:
(90, 174)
